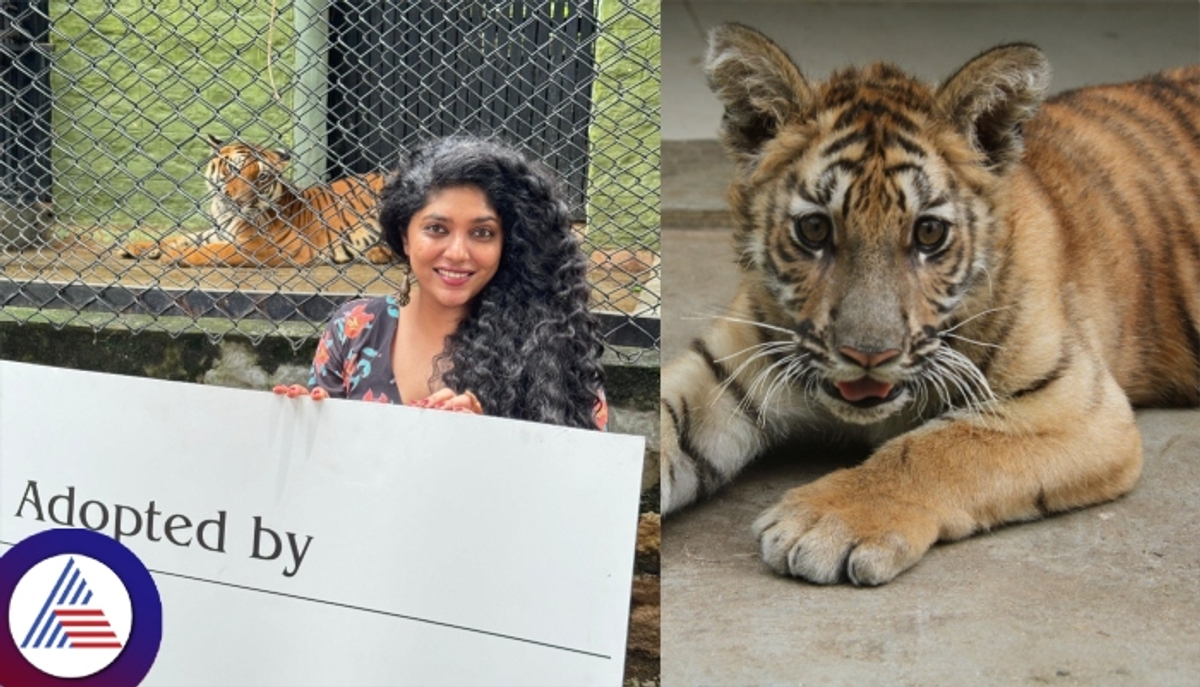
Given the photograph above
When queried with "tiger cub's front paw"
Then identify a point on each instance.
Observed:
(837, 529)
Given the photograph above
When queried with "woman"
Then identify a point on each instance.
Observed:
(497, 320)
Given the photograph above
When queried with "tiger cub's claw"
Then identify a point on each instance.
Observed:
(831, 531)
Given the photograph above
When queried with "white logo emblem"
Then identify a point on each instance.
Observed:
(70, 616)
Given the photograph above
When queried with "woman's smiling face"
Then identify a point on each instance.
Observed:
(453, 245)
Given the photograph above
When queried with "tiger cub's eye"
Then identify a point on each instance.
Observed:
(813, 231)
(930, 233)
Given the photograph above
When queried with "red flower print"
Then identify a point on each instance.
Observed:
(348, 368)
(322, 355)
(356, 321)
(370, 397)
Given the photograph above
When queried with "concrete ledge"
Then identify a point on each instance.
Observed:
(180, 349)
(175, 351)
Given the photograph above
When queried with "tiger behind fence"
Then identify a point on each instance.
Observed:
(979, 291)
(261, 220)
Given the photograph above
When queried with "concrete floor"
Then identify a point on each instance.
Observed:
(1103, 596)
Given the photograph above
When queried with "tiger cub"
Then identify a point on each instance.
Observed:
(978, 284)
(260, 220)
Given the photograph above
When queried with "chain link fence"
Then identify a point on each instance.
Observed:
(105, 106)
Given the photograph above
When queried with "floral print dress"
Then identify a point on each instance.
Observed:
(354, 354)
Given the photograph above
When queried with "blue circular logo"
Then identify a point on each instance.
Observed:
(81, 611)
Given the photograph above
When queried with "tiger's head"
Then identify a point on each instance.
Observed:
(867, 210)
(243, 177)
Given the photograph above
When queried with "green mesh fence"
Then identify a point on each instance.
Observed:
(105, 106)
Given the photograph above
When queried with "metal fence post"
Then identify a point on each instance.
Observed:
(309, 98)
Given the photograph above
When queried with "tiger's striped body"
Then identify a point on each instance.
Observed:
(978, 291)
(260, 220)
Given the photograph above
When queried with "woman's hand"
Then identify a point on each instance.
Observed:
(317, 394)
(446, 399)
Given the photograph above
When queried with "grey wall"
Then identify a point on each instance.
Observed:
(1087, 42)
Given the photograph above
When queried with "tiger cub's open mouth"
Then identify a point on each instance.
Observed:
(864, 392)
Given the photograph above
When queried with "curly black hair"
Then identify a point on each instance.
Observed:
(529, 347)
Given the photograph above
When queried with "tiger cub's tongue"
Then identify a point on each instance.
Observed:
(863, 388)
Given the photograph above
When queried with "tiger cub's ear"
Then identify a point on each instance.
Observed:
(990, 97)
(759, 85)
(214, 142)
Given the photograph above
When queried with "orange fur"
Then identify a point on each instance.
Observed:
(1000, 286)
(262, 221)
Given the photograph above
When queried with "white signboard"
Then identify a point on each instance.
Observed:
(336, 543)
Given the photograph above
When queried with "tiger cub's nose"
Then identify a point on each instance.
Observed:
(868, 359)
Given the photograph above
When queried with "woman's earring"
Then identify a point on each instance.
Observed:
(402, 293)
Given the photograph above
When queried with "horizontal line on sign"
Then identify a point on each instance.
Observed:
(387, 613)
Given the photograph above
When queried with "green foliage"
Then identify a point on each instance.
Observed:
(623, 177)
(136, 86)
